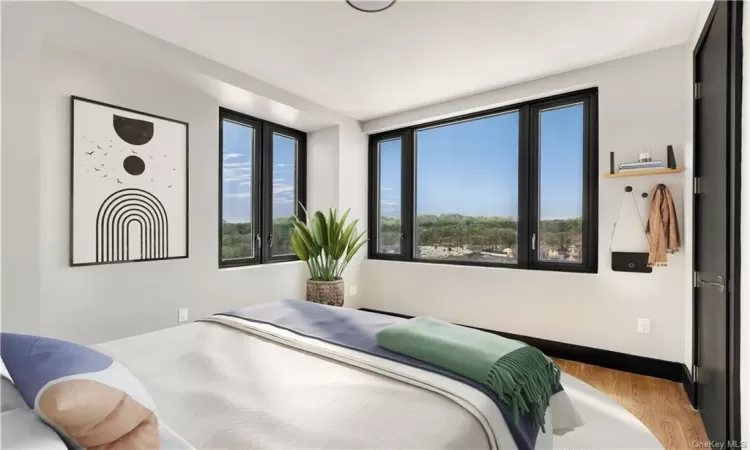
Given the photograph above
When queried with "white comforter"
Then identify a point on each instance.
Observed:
(218, 387)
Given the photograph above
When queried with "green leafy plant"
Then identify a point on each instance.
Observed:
(326, 244)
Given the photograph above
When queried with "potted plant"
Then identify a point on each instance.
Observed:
(326, 244)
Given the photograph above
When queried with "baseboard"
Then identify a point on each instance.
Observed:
(640, 365)
(688, 384)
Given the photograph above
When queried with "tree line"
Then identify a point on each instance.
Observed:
(498, 233)
(490, 232)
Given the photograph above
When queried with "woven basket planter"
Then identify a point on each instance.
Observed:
(326, 292)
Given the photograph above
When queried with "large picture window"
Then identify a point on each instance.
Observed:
(262, 188)
(512, 187)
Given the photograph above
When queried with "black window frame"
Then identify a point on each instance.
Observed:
(528, 185)
(262, 185)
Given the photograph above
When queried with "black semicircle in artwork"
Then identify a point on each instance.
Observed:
(133, 165)
(133, 131)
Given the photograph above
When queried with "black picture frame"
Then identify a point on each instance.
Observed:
(71, 210)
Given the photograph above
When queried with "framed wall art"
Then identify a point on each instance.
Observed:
(129, 185)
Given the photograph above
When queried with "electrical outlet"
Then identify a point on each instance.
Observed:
(644, 325)
(182, 315)
(353, 290)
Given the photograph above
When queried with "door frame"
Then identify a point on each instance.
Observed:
(734, 144)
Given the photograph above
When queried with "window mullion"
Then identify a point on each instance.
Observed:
(265, 166)
(533, 240)
(408, 194)
(523, 240)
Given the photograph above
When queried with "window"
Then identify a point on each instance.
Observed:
(262, 188)
(512, 187)
(389, 200)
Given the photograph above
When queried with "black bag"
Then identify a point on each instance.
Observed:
(630, 262)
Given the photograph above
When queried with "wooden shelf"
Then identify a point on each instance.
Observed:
(644, 172)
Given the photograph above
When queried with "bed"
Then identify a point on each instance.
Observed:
(224, 383)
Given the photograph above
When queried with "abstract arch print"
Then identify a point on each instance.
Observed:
(129, 198)
(120, 213)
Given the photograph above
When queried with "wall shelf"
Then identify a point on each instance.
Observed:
(644, 172)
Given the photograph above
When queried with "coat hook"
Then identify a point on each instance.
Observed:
(661, 187)
(628, 188)
(644, 194)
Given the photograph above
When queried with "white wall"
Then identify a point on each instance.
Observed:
(323, 168)
(642, 103)
(46, 61)
(353, 194)
(20, 173)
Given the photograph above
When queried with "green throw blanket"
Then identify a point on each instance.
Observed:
(521, 375)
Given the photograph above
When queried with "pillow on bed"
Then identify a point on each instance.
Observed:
(22, 429)
(10, 398)
(87, 396)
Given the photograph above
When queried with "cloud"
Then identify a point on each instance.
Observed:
(237, 164)
(279, 180)
(280, 165)
(231, 155)
(386, 189)
(237, 173)
(245, 183)
(390, 204)
(278, 188)
(240, 195)
(239, 177)
(282, 201)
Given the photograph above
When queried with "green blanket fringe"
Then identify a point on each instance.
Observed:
(524, 380)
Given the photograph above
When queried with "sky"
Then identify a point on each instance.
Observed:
(471, 168)
(237, 162)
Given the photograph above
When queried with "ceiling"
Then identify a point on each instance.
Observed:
(415, 53)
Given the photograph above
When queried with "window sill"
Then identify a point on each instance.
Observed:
(493, 266)
(231, 268)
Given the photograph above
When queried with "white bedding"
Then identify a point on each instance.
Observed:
(219, 387)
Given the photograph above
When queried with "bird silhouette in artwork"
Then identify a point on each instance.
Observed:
(134, 152)
(98, 147)
(173, 168)
(90, 153)
(101, 165)
(104, 176)
(169, 187)
(150, 157)
(96, 169)
(110, 145)
(165, 156)
(118, 181)
(105, 154)
(151, 179)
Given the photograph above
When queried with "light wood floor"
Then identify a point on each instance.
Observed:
(661, 405)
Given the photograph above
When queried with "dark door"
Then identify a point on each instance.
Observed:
(714, 120)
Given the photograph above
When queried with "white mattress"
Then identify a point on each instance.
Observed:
(218, 387)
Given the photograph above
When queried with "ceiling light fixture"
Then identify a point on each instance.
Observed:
(370, 6)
